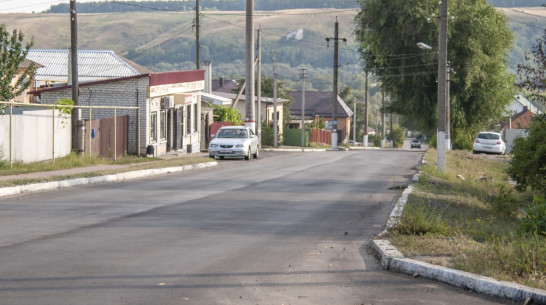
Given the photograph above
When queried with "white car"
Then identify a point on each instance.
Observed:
(489, 142)
(234, 141)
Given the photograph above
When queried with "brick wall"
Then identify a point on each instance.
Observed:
(131, 92)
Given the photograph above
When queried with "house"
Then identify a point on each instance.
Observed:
(319, 104)
(225, 93)
(519, 113)
(23, 66)
(169, 103)
(93, 65)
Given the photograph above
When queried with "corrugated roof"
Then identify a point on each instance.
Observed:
(91, 64)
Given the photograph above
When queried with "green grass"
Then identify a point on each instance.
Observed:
(472, 224)
(73, 160)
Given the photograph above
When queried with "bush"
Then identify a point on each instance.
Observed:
(505, 202)
(528, 164)
(535, 219)
(375, 139)
(397, 136)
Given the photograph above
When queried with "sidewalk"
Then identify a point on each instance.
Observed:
(68, 182)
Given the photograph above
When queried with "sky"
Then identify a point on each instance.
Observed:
(29, 6)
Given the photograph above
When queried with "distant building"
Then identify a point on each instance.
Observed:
(319, 104)
(519, 113)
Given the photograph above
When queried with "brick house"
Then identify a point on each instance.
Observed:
(170, 107)
(319, 104)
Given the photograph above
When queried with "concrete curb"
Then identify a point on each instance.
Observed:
(35, 187)
(392, 259)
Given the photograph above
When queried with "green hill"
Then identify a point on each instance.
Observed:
(164, 41)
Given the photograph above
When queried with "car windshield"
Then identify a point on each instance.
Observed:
(488, 136)
(232, 133)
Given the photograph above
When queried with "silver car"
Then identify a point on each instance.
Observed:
(234, 141)
(489, 142)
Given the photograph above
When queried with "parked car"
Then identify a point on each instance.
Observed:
(354, 143)
(234, 141)
(489, 142)
(415, 143)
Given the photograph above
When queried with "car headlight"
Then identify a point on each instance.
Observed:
(213, 145)
(239, 145)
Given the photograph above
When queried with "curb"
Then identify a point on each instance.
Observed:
(35, 187)
(392, 259)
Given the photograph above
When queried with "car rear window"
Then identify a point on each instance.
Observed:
(488, 136)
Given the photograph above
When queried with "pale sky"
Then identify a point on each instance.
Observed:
(28, 6)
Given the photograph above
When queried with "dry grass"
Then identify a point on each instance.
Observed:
(471, 224)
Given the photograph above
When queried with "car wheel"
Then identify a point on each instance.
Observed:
(256, 154)
(474, 152)
(222, 157)
(247, 155)
(212, 157)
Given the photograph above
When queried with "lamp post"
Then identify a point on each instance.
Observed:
(442, 84)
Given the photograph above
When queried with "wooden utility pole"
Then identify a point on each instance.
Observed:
(73, 80)
(365, 141)
(335, 83)
(275, 120)
(197, 29)
(259, 90)
(249, 93)
(303, 75)
(383, 117)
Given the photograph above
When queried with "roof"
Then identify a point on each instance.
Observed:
(155, 79)
(318, 103)
(226, 86)
(242, 97)
(94, 64)
(519, 104)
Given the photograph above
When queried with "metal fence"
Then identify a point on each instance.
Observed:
(58, 114)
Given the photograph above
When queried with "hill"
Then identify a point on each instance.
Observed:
(164, 41)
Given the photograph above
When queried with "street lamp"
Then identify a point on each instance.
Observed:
(442, 84)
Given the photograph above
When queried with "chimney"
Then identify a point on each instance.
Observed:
(208, 76)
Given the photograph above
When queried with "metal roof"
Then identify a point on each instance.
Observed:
(93, 64)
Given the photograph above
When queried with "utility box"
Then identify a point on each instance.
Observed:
(168, 101)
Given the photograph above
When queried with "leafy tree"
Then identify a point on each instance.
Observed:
(387, 32)
(227, 114)
(528, 164)
(12, 54)
(533, 73)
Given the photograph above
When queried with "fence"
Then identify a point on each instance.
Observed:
(321, 136)
(47, 135)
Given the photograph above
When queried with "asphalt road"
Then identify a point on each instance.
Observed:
(288, 228)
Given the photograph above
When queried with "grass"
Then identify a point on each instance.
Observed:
(470, 218)
(73, 160)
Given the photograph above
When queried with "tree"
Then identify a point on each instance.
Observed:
(387, 32)
(528, 164)
(227, 114)
(12, 54)
(533, 73)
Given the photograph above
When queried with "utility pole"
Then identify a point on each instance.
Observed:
(365, 141)
(354, 120)
(442, 77)
(383, 117)
(448, 106)
(197, 29)
(259, 91)
(74, 74)
(303, 75)
(335, 89)
(249, 93)
(275, 131)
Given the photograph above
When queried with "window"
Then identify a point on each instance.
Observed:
(163, 125)
(195, 118)
(188, 119)
(153, 127)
